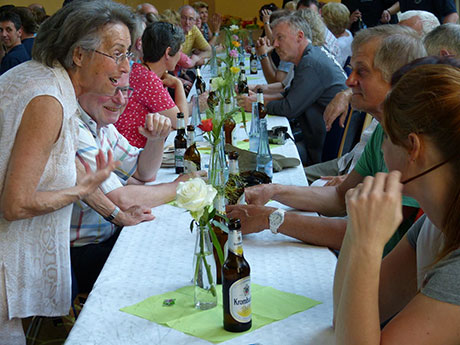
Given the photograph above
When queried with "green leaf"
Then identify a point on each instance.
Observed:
(220, 225)
(215, 242)
(191, 226)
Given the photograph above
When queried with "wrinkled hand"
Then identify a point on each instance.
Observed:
(253, 218)
(266, 16)
(134, 215)
(91, 180)
(170, 80)
(156, 127)
(334, 180)
(386, 17)
(197, 60)
(185, 177)
(374, 209)
(258, 195)
(245, 102)
(337, 107)
(254, 87)
(355, 16)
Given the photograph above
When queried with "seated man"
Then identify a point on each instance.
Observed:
(195, 43)
(376, 53)
(92, 237)
(10, 34)
(317, 79)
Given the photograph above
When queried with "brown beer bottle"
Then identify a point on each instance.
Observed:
(199, 83)
(180, 144)
(236, 283)
(192, 157)
(253, 61)
(229, 126)
(243, 83)
(260, 104)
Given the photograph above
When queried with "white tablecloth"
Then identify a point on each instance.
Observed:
(156, 257)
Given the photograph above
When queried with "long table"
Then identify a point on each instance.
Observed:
(156, 257)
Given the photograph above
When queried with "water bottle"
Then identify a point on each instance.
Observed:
(264, 160)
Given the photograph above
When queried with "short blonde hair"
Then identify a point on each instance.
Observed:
(291, 5)
(336, 16)
(170, 16)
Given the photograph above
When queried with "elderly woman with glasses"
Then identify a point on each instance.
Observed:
(82, 48)
(161, 47)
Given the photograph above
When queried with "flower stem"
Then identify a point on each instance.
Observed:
(202, 255)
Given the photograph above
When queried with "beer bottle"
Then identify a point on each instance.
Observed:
(180, 144)
(192, 157)
(234, 187)
(229, 126)
(243, 83)
(260, 104)
(236, 283)
(253, 61)
(199, 82)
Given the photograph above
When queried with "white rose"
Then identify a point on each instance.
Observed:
(234, 28)
(194, 195)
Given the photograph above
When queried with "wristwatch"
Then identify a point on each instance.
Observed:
(267, 23)
(263, 56)
(275, 219)
(113, 214)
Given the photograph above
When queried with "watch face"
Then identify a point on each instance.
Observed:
(275, 218)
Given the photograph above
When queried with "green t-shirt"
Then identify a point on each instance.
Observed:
(371, 161)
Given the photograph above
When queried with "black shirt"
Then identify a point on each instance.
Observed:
(371, 11)
(440, 8)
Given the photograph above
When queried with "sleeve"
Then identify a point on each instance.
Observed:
(414, 231)
(153, 95)
(445, 7)
(285, 66)
(185, 61)
(364, 166)
(124, 152)
(305, 89)
(87, 151)
(442, 282)
(199, 40)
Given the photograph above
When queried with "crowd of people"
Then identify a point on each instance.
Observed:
(90, 93)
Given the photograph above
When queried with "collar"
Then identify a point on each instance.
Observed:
(88, 121)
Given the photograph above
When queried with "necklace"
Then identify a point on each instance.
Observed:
(147, 66)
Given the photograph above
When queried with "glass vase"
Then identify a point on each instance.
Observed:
(205, 295)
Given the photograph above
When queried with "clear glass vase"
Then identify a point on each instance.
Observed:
(205, 296)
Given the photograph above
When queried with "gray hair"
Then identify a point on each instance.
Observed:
(295, 22)
(186, 7)
(446, 36)
(398, 46)
(78, 25)
(428, 19)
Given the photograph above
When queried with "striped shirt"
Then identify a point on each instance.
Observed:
(87, 225)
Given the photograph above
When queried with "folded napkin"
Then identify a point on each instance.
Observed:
(268, 305)
(247, 159)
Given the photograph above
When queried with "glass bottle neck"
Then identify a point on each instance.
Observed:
(180, 124)
(235, 242)
(233, 167)
(190, 138)
(260, 97)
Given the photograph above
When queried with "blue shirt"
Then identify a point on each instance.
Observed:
(28, 43)
(14, 57)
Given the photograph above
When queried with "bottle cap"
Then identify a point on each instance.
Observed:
(180, 115)
(190, 128)
(259, 90)
(233, 155)
(234, 224)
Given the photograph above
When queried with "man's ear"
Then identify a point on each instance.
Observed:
(77, 56)
(444, 52)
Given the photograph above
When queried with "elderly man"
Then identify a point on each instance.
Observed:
(317, 79)
(10, 34)
(195, 43)
(376, 53)
(146, 8)
(92, 236)
(443, 40)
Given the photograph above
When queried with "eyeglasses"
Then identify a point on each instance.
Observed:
(126, 91)
(188, 19)
(117, 58)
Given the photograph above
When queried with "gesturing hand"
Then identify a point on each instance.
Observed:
(156, 127)
(337, 107)
(134, 215)
(91, 180)
(374, 209)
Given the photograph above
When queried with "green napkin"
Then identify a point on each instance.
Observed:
(268, 305)
(244, 145)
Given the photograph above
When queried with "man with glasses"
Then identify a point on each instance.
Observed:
(195, 43)
(92, 236)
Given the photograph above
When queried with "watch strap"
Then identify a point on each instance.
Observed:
(113, 214)
(263, 56)
(276, 219)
